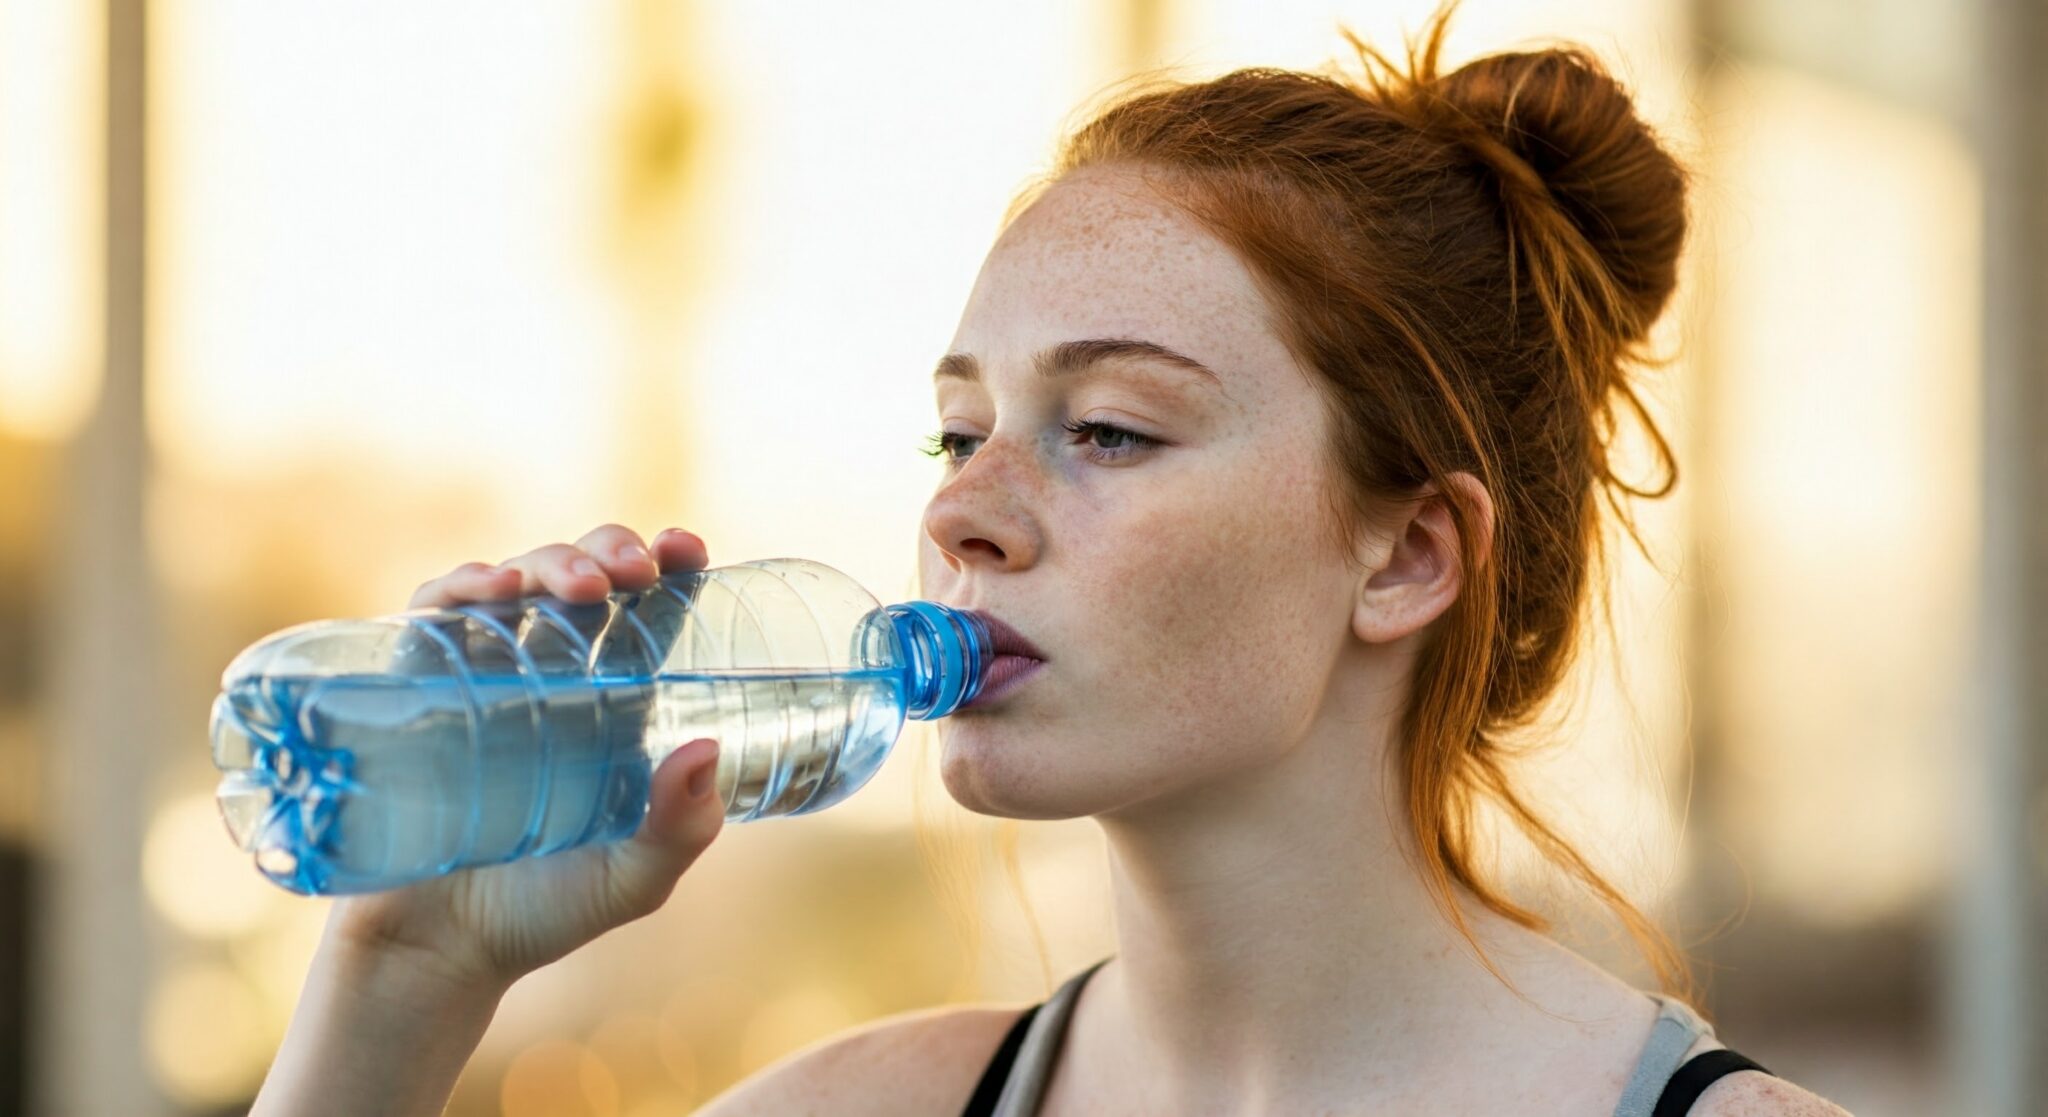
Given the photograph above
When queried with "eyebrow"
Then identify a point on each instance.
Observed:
(1071, 357)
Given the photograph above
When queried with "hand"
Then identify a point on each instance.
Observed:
(482, 929)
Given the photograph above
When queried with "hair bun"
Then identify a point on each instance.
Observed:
(1560, 115)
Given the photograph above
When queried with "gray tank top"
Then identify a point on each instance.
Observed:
(1659, 1086)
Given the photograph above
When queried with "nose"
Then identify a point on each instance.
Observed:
(977, 517)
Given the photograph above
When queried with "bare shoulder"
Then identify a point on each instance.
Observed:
(907, 1065)
(1749, 1094)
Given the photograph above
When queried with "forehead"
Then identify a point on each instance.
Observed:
(1099, 255)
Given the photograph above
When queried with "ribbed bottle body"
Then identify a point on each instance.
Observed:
(359, 755)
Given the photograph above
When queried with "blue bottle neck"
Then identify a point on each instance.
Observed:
(947, 654)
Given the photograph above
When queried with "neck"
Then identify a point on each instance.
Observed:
(1277, 925)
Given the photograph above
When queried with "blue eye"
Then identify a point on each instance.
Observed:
(1132, 440)
(947, 443)
(942, 444)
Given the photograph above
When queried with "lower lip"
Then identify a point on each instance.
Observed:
(1008, 673)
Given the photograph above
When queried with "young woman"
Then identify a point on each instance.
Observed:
(1274, 420)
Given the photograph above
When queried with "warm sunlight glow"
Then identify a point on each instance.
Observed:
(207, 1041)
(397, 269)
(197, 878)
(558, 1078)
(52, 63)
(1849, 349)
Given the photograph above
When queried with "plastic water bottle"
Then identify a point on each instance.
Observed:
(361, 755)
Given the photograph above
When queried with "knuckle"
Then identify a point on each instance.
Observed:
(558, 560)
(610, 538)
(554, 554)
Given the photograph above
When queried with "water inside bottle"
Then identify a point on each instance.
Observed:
(351, 783)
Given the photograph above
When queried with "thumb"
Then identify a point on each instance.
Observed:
(684, 812)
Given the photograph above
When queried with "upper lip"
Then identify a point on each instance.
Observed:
(1007, 640)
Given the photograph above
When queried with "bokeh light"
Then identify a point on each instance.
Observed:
(51, 175)
(208, 1040)
(197, 878)
(793, 1020)
(558, 1078)
(1850, 344)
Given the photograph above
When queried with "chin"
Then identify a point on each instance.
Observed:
(980, 766)
(1006, 772)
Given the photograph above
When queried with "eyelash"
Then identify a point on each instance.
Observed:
(944, 442)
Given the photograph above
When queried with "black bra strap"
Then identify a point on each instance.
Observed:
(1684, 1088)
(1692, 1079)
(983, 1103)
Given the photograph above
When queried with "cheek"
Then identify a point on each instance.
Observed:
(1233, 676)
(1218, 600)
(1217, 620)
(994, 768)
(1160, 717)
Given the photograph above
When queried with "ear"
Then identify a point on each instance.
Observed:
(1413, 572)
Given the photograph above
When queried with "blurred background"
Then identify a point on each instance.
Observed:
(302, 304)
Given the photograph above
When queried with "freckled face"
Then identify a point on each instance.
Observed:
(1188, 606)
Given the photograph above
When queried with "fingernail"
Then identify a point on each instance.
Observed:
(632, 552)
(585, 567)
